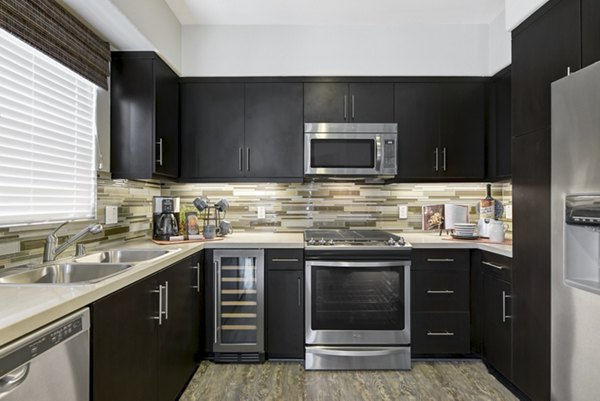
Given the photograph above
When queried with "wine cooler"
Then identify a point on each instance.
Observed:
(239, 305)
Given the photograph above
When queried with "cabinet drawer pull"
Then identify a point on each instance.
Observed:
(285, 260)
(197, 268)
(353, 107)
(440, 291)
(440, 333)
(240, 158)
(247, 159)
(444, 158)
(299, 291)
(160, 151)
(160, 305)
(440, 260)
(345, 107)
(495, 266)
(437, 159)
(504, 316)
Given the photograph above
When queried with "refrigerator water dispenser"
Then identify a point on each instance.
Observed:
(582, 242)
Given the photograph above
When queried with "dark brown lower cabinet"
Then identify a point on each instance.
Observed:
(285, 304)
(497, 326)
(134, 357)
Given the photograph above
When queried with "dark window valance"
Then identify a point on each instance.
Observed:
(50, 28)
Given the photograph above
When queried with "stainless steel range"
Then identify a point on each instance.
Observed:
(357, 300)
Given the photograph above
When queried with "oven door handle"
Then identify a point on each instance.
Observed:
(355, 351)
(359, 264)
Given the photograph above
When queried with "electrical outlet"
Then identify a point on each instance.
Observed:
(403, 211)
(261, 212)
(111, 215)
(508, 212)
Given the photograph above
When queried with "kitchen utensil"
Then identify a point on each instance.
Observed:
(497, 230)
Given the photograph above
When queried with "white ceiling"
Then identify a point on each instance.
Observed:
(335, 12)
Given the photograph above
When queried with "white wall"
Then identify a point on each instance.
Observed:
(499, 49)
(287, 50)
(517, 11)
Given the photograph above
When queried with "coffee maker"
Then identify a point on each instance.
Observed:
(165, 217)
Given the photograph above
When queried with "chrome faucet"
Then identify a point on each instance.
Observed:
(51, 247)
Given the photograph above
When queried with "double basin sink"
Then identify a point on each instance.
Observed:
(87, 269)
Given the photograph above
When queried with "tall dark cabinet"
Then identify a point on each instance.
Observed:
(441, 130)
(544, 48)
(240, 131)
(144, 117)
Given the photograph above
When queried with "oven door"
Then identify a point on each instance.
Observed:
(352, 303)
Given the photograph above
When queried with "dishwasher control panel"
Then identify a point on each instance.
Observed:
(28, 350)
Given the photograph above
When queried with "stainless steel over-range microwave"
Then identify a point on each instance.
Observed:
(341, 149)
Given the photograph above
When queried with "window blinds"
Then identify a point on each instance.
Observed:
(47, 138)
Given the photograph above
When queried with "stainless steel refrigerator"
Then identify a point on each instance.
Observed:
(576, 236)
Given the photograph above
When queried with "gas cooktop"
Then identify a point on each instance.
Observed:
(368, 239)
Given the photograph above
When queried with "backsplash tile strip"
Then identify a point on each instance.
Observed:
(289, 208)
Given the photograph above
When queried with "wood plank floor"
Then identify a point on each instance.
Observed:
(435, 381)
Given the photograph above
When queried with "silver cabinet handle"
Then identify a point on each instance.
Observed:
(299, 291)
(568, 71)
(444, 158)
(353, 107)
(440, 291)
(247, 159)
(160, 151)
(440, 333)
(504, 316)
(197, 286)
(166, 300)
(160, 305)
(440, 260)
(345, 107)
(495, 266)
(285, 260)
(240, 163)
(216, 298)
(437, 159)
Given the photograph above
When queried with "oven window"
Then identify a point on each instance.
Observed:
(342, 153)
(347, 298)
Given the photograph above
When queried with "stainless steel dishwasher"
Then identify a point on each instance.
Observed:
(50, 364)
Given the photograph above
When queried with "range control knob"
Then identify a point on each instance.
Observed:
(312, 241)
(322, 241)
(401, 241)
(391, 242)
(330, 243)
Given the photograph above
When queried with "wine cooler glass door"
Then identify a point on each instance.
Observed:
(239, 301)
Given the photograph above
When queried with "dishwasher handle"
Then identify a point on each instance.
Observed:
(14, 379)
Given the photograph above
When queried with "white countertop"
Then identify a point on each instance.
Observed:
(25, 308)
(433, 241)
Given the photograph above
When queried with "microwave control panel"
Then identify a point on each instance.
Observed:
(389, 154)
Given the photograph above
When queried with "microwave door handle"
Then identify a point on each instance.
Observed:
(378, 154)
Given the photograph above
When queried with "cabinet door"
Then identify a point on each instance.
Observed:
(371, 103)
(326, 103)
(131, 116)
(179, 335)
(502, 127)
(590, 32)
(274, 134)
(212, 130)
(531, 263)
(166, 128)
(542, 50)
(417, 115)
(124, 344)
(285, 314)
(462, 128)
(497, 325)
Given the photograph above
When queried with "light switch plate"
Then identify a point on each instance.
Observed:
(111, 215)
(261, 212)
(508, 212)
(403, 211)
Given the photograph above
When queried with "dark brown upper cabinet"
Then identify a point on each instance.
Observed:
(590, 32)
(499, 126)
(241, 131)
(144, 116)
(544, 49)
(441, 130)
(328, 102)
